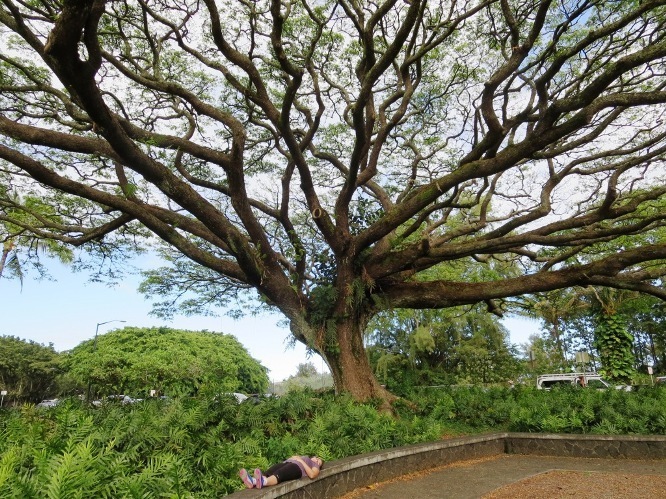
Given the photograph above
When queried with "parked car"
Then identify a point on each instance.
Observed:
(240, 397)
(586, 380)
(48, 403)
(122, 399)
(258, 397)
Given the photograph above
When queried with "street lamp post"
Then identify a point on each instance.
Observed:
(95, 349)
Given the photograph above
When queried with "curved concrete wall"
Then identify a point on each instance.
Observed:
(344, 475)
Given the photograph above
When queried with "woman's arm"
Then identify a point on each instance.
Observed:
(312, 472)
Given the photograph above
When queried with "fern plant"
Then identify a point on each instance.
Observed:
(194, 447)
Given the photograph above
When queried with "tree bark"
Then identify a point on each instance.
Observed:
(350, 366)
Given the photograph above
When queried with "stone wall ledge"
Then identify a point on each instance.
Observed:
(344, 475)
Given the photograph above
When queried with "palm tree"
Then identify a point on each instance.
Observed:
(554, 309)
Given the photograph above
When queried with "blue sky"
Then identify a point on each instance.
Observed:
(66, 312)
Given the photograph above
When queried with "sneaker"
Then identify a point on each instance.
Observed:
(246, 478)
(258, 478)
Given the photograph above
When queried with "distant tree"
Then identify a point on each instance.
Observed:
(28, 370)
(328, 154)
(172, 361)
(647, 322)
(556, 310)
(306, 370)
(458, 345)
(546, 356)
(620, 329)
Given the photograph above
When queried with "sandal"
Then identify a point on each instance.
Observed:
(258, 478)
(246, 478)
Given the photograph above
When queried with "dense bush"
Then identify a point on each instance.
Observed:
(174, 362)
(193, 447)
(570, 410)
(561, 410)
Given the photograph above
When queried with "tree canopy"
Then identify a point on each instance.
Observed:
(620, 330)
(172, 361)
(28, 370)
(435, 347)
(329, 154)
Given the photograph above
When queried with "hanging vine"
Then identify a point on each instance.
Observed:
(614, 343)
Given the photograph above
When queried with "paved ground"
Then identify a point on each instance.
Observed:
(473, 479)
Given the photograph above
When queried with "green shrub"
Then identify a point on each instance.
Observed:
(193, 447)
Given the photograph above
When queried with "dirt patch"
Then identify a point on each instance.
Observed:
(583, 484)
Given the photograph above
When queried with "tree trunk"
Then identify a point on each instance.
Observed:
(350, 366)
(556, 335)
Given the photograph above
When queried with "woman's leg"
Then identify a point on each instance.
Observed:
(278, 473)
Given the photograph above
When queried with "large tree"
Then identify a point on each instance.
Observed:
(329, 154)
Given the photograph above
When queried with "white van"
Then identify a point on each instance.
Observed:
(588, 380)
